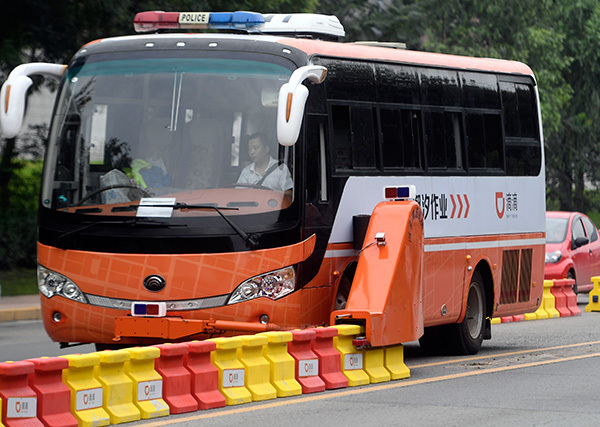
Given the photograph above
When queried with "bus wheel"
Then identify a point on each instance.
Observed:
(468, 335)
(344, 287)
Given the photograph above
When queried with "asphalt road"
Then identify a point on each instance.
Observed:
(543, 372)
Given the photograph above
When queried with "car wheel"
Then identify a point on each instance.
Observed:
(571, 275)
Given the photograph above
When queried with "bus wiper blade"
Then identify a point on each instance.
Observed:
(133, 222)
(248, 239)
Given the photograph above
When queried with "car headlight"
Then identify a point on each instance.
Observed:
(51, 283)
(273, 285)
(553, 257)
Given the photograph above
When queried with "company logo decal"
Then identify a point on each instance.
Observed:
(506, 205)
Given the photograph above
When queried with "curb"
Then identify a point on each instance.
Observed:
(22, 313)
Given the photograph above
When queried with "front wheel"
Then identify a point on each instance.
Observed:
(468, 335)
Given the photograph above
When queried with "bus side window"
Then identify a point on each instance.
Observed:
(354, 138)
(443, 132)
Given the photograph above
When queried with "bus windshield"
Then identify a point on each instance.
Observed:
(172, 130)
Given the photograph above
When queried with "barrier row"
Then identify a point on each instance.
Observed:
(113, 387)
(558, 300)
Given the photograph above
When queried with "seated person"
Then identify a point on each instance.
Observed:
(264, 169)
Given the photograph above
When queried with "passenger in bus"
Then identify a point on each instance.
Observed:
(265, 170)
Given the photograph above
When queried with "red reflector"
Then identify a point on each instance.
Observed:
(360, 342)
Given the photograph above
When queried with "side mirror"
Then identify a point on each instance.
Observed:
(14, 94)
(291, 102)
(580, 241)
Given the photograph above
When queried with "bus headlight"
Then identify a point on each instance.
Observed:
(51, 283)
(273, 285)
(553, 257)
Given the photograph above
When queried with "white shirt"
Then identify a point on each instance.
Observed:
(279, 179)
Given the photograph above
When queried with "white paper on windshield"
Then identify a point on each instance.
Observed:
(153, 207)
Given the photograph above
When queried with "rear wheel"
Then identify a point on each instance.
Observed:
(467, 335)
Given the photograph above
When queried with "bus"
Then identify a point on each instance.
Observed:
(399, 190)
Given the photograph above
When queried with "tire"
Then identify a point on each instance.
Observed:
(466, 337)
(571, 275)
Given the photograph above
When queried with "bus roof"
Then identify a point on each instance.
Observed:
(349, 50)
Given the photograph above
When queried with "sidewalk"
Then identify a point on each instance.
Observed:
(20, 307)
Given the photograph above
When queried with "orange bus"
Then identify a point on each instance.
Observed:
(271, 177)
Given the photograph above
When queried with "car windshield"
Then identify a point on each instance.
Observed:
(556, 229)
(195, 131)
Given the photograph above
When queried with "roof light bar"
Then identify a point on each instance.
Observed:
(158, 20)
(404, 192)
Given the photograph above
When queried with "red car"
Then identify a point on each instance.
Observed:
(572, 249)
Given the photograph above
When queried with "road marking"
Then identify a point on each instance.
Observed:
(369, 389)
(512, 353)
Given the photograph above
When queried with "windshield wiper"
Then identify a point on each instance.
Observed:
(133, 222)
(247, 238)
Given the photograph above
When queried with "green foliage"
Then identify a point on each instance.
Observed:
(21, 281)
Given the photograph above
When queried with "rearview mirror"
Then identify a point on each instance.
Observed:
(14, 94)
(291, 101)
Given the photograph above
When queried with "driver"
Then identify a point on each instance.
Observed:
(265, 170)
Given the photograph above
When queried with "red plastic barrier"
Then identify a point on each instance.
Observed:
(518, 318)
(571, 297)
(560, 299)
(307, 362)
(330, 364)
(205, 376)
(54, 397)
(506, 319)
(19, 401)
(177, 380)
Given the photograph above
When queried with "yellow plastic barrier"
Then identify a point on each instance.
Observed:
(393, 360)
(1, 425)
(231, 371)
(374, 366)
(351, 358)
(548, 301)
(496, 321)
(282, 365)
(86, 390)
(257, 367)
(117, 387)
(594, 304)
(147, 383)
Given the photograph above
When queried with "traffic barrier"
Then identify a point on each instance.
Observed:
(53, 396)
(506, 319)
(177, 381)
(19, 399)
(205, 377)
(533, 316)
(496, 321)
(351, 358)
(86, 390)
(306, 361)
(548, 300)
(594, 295)
(560, 299)
(117, 387)
(231, 370)
(258, 370)
(374, 366)
(330, 366)
(282, 365)
(518, 317)
(393, 357)
(571, 297)
(147, 383)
